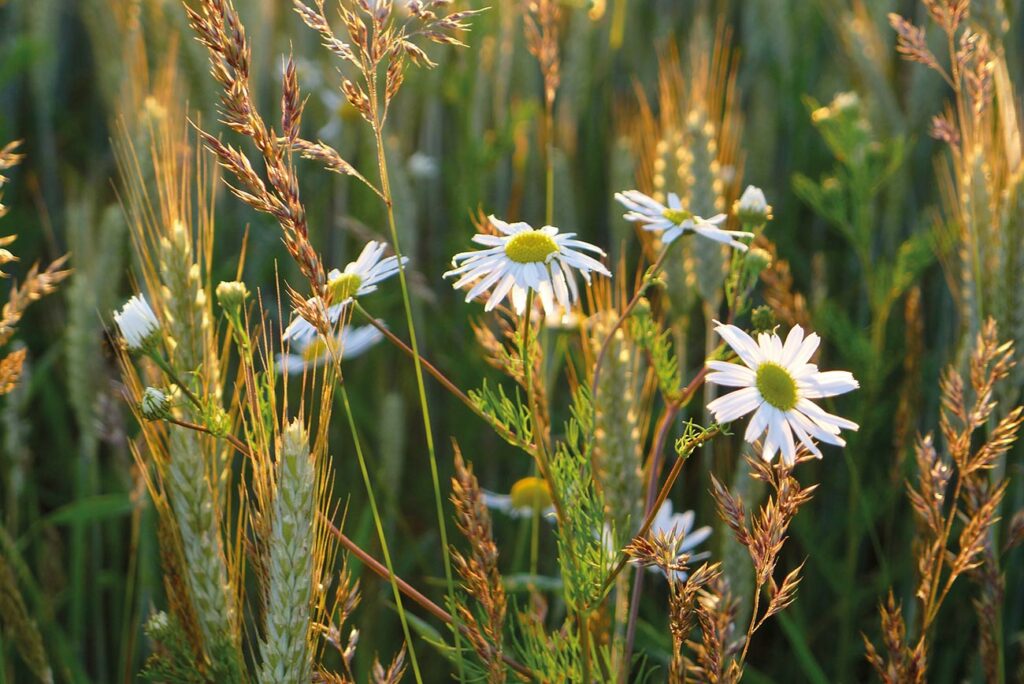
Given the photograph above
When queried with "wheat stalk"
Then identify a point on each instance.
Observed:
(285, 655)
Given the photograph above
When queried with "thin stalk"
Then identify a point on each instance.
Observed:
(669, 413)
(651, 272)
(410, 591)
(385, 186)
(445, 382)
(166, 368)
(380, 530)
(541, 453)
(549, 188)
(752, 626)
(231, 439)
(584, 619)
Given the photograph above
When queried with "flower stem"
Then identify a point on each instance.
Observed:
(648, 277)
(385, 186)
(410, 591)
(380, 528)
(445, 382)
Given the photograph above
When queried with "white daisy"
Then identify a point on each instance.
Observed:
(678, 525)
(359, 278)
(528, 496)
(777, 384)
(674, 220)
(311, 352)
(523, 259)
(138, 324)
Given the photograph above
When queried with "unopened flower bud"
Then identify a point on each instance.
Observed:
(155, 405)
(232, 296)
(755, 261)
(138, 325)
(752, 208)
(763, 319)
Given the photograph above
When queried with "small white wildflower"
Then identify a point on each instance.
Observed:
(522, 259)
(672, 220)
(777, 384)
(359, 278)
(154, 404)
(311, 352)
(752, 208)
(138, 324)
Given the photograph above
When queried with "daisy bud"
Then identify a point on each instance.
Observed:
(755, 261)
(751, 208)
(232, 296)
(155, 405)
(138, 325)
(762, 319)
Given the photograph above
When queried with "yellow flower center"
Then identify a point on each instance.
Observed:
(777, 386)
(318, 348)
(530, 246)
(344, 286)
(676, 216)
(531, 492)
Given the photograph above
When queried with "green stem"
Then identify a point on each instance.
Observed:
(534, 542)
(380, 528)
(385, 186)
(166, 368)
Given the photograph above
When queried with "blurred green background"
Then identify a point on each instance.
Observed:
(463, 137)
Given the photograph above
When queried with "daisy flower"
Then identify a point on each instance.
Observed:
(673, 220)
(313, 351)
(138, 324)
(523, 258)
(528, 496)
(777, 385)
(359, 278)
(666, 523)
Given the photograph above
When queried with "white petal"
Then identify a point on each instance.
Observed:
(735, 404)
(758, 423)
(823, 418)
(741, 343)
(519, 299)
(827, 384)
(695, 538)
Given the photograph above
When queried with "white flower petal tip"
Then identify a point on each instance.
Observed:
(523, 259)
(776, 384)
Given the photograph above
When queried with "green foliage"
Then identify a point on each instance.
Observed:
(174, 660)
(583, 550)
(658, 344)
(507, 412)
